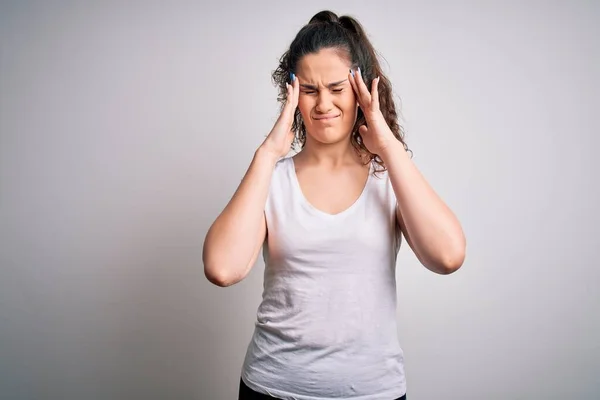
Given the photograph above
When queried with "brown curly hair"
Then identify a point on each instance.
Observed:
(326, 30)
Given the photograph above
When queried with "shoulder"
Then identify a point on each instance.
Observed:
(380, 182)
(282, 173)
(380, 177)
(282, 166)
(281, 186)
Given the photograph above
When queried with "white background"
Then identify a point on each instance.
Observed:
(125, 129)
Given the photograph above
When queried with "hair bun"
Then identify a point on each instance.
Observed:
(325, 16)
(351, 25)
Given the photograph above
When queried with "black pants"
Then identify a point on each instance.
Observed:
(248, 394)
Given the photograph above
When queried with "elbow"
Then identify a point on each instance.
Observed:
(449, 266)
(218, 278)
(214, 277)
(216, 273)
(454, 262)
(449, 262)
(213, 267)
(219, 281)
(454, 257)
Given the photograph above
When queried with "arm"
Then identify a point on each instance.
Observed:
(431, 229)
(234, 240)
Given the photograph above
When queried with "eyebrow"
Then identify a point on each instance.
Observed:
(314, 87)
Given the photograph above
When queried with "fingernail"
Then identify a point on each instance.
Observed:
(358, 69)
(292, 77)
(351, 72)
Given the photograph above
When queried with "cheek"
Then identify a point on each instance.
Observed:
(348, 100)
(304, 105)
(348, 103)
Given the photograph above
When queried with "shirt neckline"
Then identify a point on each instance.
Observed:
(315, 210)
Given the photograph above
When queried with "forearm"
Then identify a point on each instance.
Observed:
(231, 241)
(434, 231)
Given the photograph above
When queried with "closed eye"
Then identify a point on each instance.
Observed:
(314, 91)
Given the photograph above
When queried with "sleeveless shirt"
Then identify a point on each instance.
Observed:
(326, 326)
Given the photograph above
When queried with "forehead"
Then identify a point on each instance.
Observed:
(327, 65)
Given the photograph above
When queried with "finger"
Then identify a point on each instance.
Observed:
(284, 115)
(354, 84)
(292, 92)
(295, 91)
(363, 130)
(375, 93)
(288, 98)
(362, 87)
(289, 91)
(292, 100)
(362, 102)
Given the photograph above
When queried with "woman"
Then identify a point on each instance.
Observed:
(331, 220)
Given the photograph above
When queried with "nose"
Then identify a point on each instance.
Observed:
(324, 103)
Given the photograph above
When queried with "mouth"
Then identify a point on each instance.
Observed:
(326, 117)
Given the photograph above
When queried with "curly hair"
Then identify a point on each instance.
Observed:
(326, 30)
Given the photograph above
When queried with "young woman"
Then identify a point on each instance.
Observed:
(331, 220)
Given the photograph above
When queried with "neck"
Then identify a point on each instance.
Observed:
(330, 155)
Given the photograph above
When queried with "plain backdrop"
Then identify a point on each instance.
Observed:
(126, 127)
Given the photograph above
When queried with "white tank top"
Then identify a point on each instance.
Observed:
(326, 327)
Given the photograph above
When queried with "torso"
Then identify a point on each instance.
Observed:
(326, 326)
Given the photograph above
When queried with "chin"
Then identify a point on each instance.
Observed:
(329, 136)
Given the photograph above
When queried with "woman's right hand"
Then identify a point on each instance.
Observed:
(279, 141)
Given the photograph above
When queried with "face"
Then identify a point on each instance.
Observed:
(327, 102)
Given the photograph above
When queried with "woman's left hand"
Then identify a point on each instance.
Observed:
(376, 134)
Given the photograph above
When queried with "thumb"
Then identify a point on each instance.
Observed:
(363, 130)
